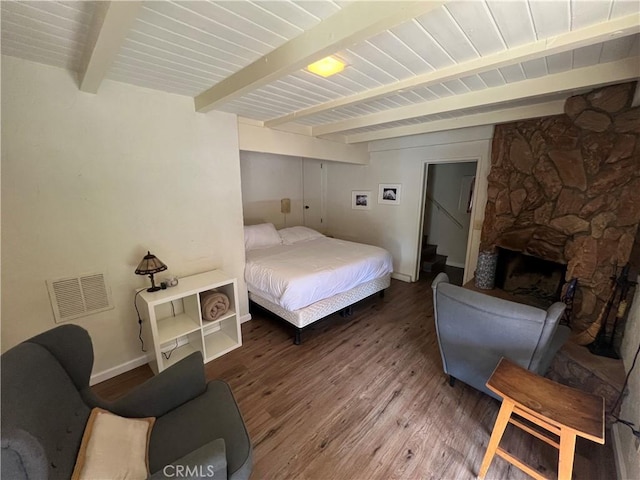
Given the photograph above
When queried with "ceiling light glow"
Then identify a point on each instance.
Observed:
(326, 67)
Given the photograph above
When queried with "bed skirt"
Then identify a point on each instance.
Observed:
(307, 315)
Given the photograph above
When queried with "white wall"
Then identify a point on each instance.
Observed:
(445, 186)
(628, 455)
(90, 182)
(398, 227)
(266, 179)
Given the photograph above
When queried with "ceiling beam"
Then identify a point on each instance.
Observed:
(293, 128)
(616, 28)
(354, 23)
(111, 23)
(596, 75)
(487, 118)
(254, 138)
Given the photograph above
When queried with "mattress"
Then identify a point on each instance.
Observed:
(295, 276)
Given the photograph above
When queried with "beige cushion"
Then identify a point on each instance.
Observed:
(113, 447)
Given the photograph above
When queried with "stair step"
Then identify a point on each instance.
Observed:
(434, 263)
(429, 250)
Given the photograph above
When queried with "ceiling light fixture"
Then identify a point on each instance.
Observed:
(326, 67)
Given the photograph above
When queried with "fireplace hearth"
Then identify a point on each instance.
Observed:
(532, 280)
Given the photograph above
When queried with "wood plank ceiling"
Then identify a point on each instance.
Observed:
(412, 67)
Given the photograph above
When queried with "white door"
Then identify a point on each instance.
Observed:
(314, 174)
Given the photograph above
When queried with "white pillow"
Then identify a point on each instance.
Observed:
(293, 235)
(261, 236)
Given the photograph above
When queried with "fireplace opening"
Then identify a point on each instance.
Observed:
(532, 280)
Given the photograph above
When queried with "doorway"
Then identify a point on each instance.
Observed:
(448, 201)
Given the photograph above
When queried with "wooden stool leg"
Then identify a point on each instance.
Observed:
(567, 450)
(498, 429)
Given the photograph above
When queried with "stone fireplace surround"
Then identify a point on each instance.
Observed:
(567, 189)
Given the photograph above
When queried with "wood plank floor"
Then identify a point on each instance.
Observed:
(365, 398)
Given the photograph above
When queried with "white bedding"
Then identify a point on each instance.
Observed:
(295, 276)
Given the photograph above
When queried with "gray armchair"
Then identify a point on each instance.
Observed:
(46, 401)
(476, 330)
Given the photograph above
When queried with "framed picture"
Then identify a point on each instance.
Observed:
(389, 193)
(360, 200)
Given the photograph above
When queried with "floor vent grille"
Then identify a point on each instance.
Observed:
(79, 296)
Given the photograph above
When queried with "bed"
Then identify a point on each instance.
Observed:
(303, 276)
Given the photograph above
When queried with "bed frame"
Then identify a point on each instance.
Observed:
(302, 318)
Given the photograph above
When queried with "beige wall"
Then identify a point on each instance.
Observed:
(266, 179)
(90, 182)
(397, 227)
(626, 446)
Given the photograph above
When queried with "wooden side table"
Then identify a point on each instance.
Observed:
(563, 411)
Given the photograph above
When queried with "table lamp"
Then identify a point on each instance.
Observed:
(149, 265)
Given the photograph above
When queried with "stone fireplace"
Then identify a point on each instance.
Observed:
(567, 189)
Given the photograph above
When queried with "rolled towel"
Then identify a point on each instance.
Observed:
(213, 304)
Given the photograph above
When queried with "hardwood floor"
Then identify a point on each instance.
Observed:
(365, 398)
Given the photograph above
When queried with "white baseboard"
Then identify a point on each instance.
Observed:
(245, 318)
(402, 277)
(621, 467)
(115, 371)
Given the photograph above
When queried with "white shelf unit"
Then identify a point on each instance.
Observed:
(176, 323)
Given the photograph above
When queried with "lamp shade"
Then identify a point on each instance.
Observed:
(285, 205)
(149, 265)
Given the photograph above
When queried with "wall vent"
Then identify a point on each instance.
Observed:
(79, 296)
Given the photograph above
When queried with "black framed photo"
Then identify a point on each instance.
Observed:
(389, 193)
(361, 200)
